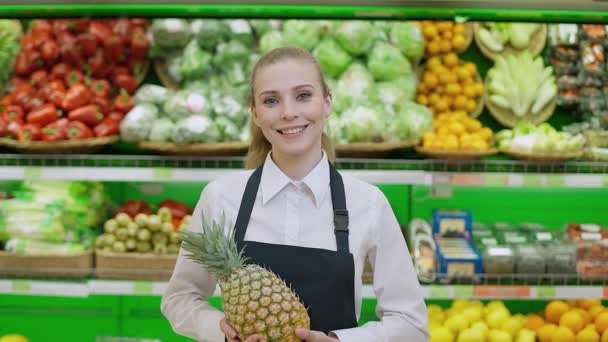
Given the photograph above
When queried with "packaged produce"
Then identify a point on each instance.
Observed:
(567, 97)
(564, 54)
(593, 32)
(496, 36)
(586, 232)
(499, 259)
(592, 259)
(591, 100)
(565, 68)
(567, 82)
(424, 258)
(592, 58)
(562, 258)
(530, 261)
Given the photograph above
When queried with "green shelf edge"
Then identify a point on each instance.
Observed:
(299, 11)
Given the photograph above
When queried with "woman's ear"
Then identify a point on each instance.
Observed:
(328, 105)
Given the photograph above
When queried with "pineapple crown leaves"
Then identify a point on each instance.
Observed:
(213, 249)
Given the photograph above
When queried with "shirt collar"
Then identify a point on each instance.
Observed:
(274, 180)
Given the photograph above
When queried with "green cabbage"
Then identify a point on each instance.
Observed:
(241, 31)
(185, 103)
(210, 32)
(271, 40)
(162, 130)
(355, 86)
(151, 93)
(233, 51)
(364, 124)
(411, 122)
(136, 125)
(169, 33)
(407, 37)
(195, 129)
(228, 130)
(356, 36)
(262, 26)
(332, 58)
(301, 33)
(195, 62)
(387, 63)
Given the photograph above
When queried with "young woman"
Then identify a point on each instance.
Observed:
(299, 217)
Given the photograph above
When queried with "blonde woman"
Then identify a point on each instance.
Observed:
(302, 219)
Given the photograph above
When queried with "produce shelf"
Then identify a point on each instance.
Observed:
(491, 173)
(549, 11)
(86, 288)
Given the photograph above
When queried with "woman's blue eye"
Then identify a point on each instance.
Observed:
(270, 101)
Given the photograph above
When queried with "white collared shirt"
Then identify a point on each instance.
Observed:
(300, 214)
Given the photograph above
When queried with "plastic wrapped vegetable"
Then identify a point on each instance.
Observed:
(226, 105)
(356, 85)
(332, 57)
(228, 130)
(161, 131)
(387, 63)
(302, 33)
(168, 34)
(364, 124)
(174, 67)
(137, 123)
(335, 129)
(185, 103)
(356, 36)
(241, 31)
(209, 32)
(262, 26)
(407, 37)
(195, 62)
(271, 40)
(390, 93)
(195, 129)
(411, 122)
(233, 51)
(151, 93)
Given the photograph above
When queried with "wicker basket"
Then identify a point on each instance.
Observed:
(235, 148)
(506, 116)
(134, 266)
(372, 150)
(160, 67)
(59, 147)
(61, 266)
(543, 157)
(535, 47)
(455, 155)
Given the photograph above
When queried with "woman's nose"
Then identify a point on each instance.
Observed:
(289, 111)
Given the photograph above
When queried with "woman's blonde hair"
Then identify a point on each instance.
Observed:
(259, 145)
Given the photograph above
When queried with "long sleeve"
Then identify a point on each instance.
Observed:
(184, 303)
(400, 305)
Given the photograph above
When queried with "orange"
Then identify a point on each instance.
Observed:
(433, 47)
(595, 310)
(534, 322)
(601, 321)
(442, 105)
(463, 74)
(573, 320)
(585, 315)
(587, 335)
(590, 326)
(459, 42)
(430, 80)
(433, 62)
(554, 310)
(460, 102)
(450, 60)
(447, 35)
(604, 337)
(471, 105)
(430, 31)
(471, 67)
(459, 28)
(563, 334)
(588, 303)
(445, 46)
(545, 332)
(422, 99)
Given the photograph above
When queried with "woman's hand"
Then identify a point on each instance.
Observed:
(314, 336)
(231, 336)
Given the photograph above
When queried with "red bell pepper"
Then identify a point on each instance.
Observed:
(60, 26)
(40, 37)
(78, 130)
(78, 25)
(125, 82)
(100, 88)
(39, 78)
(140, 22)
(78, 95)
(71, 53)
(134, 207)
(23, 67)
(22, 94)
(30, 132)
(50, 51)
(116, 116)
(88, 43)
(177, 222)
(178, 209)
(35, 59)
(14, 127)
(100, 30)
(89, 114)
(139, 43)
(114, 49)
(98, 65)
(123, 102)
(107, 127)
(6, 100)
(57, 130)
(33, 103)
(44, 115)
(102, 103)
(73, 77)
(135, 67)
(41, 25)
(13, 113)
(121, 27)
(60, 71)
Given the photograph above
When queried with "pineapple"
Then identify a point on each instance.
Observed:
(255, 300)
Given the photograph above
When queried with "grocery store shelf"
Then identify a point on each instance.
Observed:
(157, 288)
(517, 10)
(492, 173)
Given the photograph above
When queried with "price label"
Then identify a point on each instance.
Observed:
(438, 291)
(546, 292)
(496, 180)
(32, 173)
(502, 291)
(142, 287)
(463, 291)
(21, 286)
(556, 180)
(531, 180)
(162, 173)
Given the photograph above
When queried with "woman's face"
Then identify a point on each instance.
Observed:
(290, 108)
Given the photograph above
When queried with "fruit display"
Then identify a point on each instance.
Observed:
(254, 300)
(543, 139)
(449, 84)
(497, 38)
(522, 85)
(74, 78)
(133, 230)
(442, 37)
(455, 131)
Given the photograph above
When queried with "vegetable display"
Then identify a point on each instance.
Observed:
(528, 138)
(498, 36)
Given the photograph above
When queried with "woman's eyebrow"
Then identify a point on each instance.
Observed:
(274, 92)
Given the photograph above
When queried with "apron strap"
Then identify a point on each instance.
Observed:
(338, 200)
(246, 207)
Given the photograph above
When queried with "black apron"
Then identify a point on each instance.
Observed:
(323, 279)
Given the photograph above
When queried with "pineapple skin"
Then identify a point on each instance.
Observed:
(257, 301)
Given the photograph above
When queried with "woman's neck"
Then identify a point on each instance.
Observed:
(296, 167)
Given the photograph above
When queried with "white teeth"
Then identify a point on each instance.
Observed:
(293, 130)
